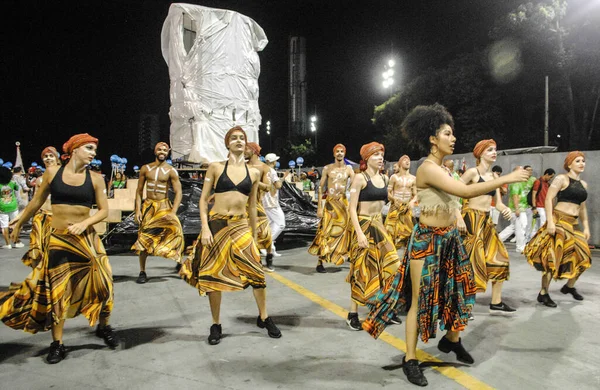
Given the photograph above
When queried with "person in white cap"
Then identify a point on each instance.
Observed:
(271, 201)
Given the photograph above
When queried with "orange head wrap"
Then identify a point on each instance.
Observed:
(405, 157)
(482, 146)
(50, 149)
(367, 151)
(571, 157)
(254, 147)
(78, 140)
(161, 144)
(231, 131)
(339, 146)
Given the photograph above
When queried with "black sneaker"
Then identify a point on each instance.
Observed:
(107, 333)
(462, 355)
(269, 263)
(215, 334)
(546, 300)
(321, 269)
(413, 372)
(501, 308)
(178, 267)
(353, 321)
(268, 323)
(142, 278)
(56, 353)
(395, 320)
(573, 291)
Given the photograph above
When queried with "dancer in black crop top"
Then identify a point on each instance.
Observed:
(229, 256)
(75, 260)
(373, 256)
(224, 183)
(558, 249)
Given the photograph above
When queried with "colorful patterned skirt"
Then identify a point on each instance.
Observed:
(332, 241)
(39, 237)
(231, 263)
(484, 247)
(565, 255)
(74, 277)
(160, 232)
(400, 223)
(371, 267)
(446, 292)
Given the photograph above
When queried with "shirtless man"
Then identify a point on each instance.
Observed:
(160, 232)
(263, 228)
(402, 193)
(332, 241)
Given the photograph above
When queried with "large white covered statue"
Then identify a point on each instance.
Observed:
(212, 55)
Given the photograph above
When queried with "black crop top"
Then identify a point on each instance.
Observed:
(62, 193)
(224, 183)
(574, 193)
(492, 192)
(371, 193)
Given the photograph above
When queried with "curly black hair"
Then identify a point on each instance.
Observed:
(5, 175)
(423, 122)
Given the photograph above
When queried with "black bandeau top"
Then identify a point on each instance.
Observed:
(574, 193)
(371, 193)
(62, 193)
(224, 183)
(492, 192)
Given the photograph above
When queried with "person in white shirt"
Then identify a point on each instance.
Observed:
(271, 201)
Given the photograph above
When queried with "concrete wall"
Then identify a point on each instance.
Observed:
(539, 163)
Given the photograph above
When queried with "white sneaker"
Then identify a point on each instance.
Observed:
(263, 252)
(513, 240)
(19, 245)
(6, 247)
(275, 254)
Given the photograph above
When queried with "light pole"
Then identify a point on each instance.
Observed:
(388, 75)
(269, 134)
(313, 128)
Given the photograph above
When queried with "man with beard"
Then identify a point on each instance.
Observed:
(263, 229)
(160, 232)
(402, 193)
(332, 241)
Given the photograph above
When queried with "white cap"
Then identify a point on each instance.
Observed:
(271, 157)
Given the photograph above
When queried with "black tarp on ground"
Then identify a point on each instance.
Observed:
(300, 215)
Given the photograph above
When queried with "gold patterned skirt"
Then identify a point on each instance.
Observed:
(74, 277)
(565, 255)
(332, 241)
(371, 267)
(400, 223)
(231, 263)
(160, 232)
(38, 239)
(486, 251)
(264, 238)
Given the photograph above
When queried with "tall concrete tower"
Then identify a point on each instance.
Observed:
(297, 92)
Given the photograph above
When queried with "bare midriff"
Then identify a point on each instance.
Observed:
(64, 215)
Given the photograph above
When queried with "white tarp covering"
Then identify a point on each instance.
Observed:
(214, 86)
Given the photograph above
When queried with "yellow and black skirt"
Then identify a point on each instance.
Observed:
(264, 238)
(74, 277)
(231, 263)
(486, 251)
(565, 255)
(332, 241)
(38, 239)
(371, 267)
(400, 223)
(160, 232)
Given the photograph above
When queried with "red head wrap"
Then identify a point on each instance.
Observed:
(367, 151)
(571, 157)
(78, 140)
(339, 146)
(231, 131)
(405, 157)
(254, 147)
(161, 144)
(50, 149)
(482, 146)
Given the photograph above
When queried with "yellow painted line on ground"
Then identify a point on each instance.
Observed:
(453, 373)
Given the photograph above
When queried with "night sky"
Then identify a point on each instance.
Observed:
(95, 66)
